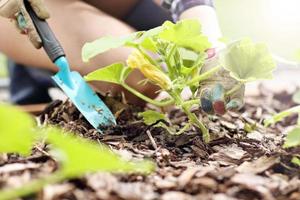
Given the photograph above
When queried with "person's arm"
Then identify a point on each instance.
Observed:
(209, 21)
(15, 10)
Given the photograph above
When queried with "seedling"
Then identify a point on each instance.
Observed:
(293, 137)
(172, 56)
(76, 156)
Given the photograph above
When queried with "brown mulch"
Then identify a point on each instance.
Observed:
(243, 161)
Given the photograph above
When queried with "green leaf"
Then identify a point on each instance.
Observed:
(293, 138)
(188, 55)
(16, 131)
(150, 117)
(92, 49)
(114, 73)
(147, 39)
(296, 97)
(149, 44)
(186, 33)
(247, 61)
(79, 156)
(296, 161)
(186, 71)
(280, 116)
(151, 33)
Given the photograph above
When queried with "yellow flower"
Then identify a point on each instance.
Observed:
(137, 61)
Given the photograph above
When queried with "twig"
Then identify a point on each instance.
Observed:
(42, 151)
(152, 140)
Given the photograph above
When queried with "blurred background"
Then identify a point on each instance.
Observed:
(275, 22)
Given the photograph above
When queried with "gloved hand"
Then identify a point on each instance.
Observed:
(15, 10)
(212, 91)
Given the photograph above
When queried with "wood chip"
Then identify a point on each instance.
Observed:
(228, 155)
(258, 166)
(255, 135)
(186, 176)
(54, 191)
(18, 167)
(176, 195)
(256, 183)
(206, 182)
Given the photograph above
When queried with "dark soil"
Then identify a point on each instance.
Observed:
(243, 161)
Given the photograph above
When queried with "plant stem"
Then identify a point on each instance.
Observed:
(191, 102)
(203, 76)
(194, 120)
(167, 60)
(152, 61)
(147, 99)
(234, 89)
(186, 127)
(172, 51)
(198, 62)
(31, 187)
(192, 117)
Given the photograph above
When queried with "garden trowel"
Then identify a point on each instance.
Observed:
(72, 83)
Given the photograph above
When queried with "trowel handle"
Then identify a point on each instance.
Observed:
(49, 41)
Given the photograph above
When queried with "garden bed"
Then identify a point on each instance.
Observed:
(244, 160)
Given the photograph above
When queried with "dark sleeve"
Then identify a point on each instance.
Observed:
(176, 7)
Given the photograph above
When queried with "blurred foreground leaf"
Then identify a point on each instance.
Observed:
(16, 131)
(79, 156)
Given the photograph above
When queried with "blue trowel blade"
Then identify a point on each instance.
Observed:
(86, 100)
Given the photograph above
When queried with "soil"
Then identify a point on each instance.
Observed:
(243, 161)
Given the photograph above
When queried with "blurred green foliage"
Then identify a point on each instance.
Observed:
(3, 69)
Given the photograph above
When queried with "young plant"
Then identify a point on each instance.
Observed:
(280, 116)
(172, 57)
(76, 156)
(293, 136)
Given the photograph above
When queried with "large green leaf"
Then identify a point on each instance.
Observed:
(186, 33)
(293, 138)
(149, 44)
(247, 61)
(147, 39)
(151, 33)
(79, 156)
(114, 73)
(150, 117)
(104, 44)
(16, 131)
